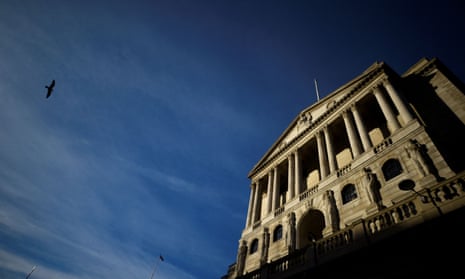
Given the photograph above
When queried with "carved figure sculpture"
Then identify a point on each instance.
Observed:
(332, 212)
(291, 232)
(414, 152)
(241, 257)
(371, 185)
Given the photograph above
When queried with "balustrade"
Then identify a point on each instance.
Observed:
(279, 211)
(308, 193)
(345, 169)
(383, 145)
(390, 217)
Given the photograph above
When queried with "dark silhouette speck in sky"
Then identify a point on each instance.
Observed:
(50, 88)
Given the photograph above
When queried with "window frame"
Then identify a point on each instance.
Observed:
(349, 193)
(254, 246)
(278, 233)
(391, 169)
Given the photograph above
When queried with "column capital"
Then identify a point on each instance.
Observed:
(384, 79)
(376, 88)
(353, 108)
(345, 113)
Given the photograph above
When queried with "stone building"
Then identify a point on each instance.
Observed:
(370, 175)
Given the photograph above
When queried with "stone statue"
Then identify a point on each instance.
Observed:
(414, 152)
(291, 232)
(266, 244)
(305, 118)
(371, 185)
(331, 210)
(242, 253)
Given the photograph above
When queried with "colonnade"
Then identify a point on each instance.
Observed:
(359, 141)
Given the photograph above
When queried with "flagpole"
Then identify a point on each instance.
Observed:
(155, 266)
(316, 89)
(33, 268)
(153, 272)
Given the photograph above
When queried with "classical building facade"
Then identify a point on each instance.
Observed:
(376, 158)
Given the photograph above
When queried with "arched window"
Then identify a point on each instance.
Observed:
(278, 233)
(348, 193)
(391, 169)
(254, 246)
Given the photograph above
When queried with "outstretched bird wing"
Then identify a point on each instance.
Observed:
(50, 88)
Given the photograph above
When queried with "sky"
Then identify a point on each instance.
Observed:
(160, 110)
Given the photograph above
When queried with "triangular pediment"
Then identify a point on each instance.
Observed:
(306, 119)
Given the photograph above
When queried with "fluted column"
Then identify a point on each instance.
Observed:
(275, 189)
(353, 138)
(329, 149)
(290, 177)
(250, 211)
(398, 102)
(366, 142)
(392, 122)
(298, 173)
(322, 155)
(269, 193)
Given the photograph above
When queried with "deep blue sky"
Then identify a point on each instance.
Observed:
(160, 110)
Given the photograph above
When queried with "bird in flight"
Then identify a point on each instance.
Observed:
(50, 88)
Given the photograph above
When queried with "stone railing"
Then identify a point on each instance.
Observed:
(387, 218)
(345, 169)
(334, 241)
(279, 211)
(434, 198)
(383, 145)
(288, 263)
(308, 193)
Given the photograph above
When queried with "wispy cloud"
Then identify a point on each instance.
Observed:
(53, 186)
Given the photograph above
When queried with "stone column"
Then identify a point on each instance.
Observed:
(290, 177)
(329, 149)
(255, 201)
(322, 155)
(366, 142)
(269, 192)
(392, 122)
(298, 173)
(276, 189)
(398, 102)
(353, 138)
(250, 210)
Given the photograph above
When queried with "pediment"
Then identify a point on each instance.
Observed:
(313, 115)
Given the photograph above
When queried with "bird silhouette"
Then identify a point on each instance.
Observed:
(50, 88)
